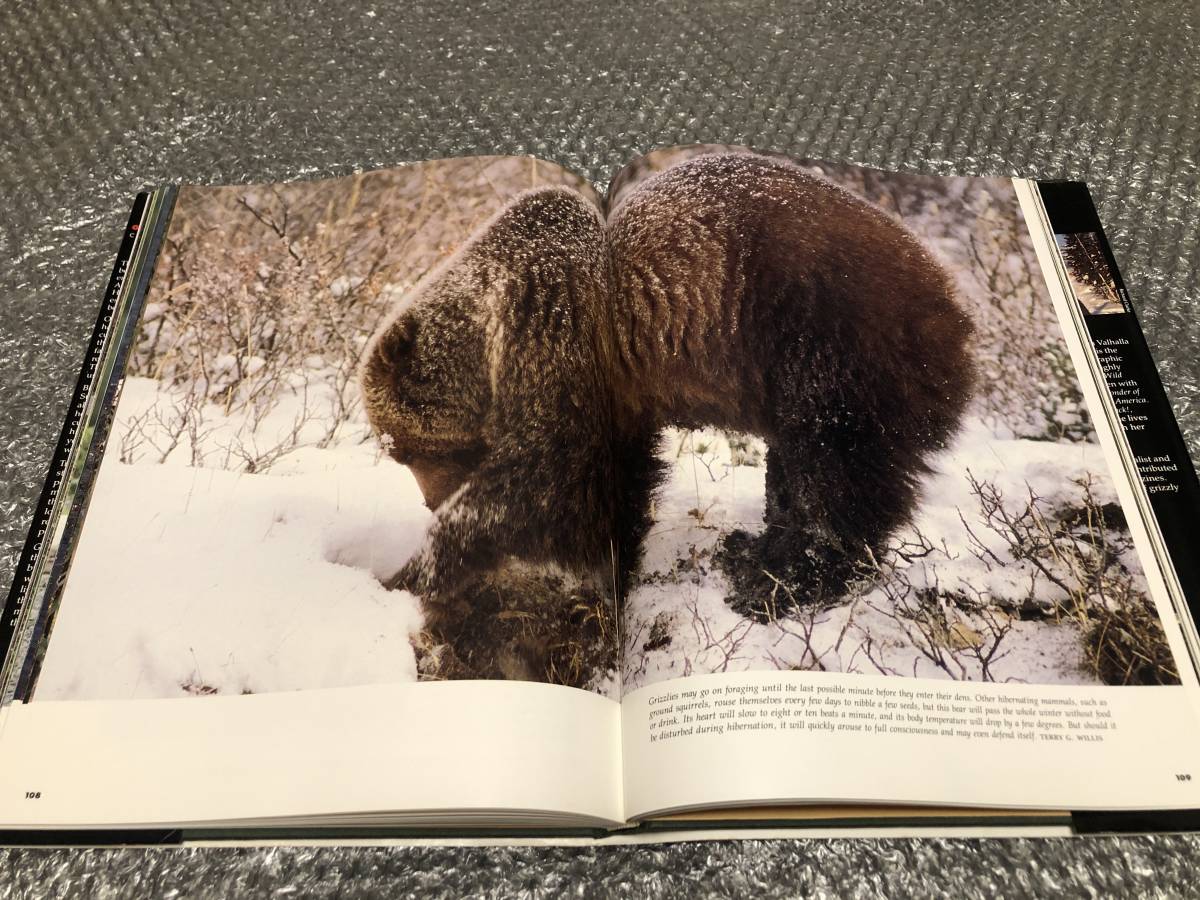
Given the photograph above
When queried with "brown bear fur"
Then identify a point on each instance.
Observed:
(753, 296)
(491, 382)
(527, 380)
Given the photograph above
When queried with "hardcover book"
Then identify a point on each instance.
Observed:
(463, 499)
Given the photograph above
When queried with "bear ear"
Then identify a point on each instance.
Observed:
(398, 344)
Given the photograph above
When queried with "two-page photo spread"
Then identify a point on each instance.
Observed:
(469, 494)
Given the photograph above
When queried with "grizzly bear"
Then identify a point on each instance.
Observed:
(526, 381)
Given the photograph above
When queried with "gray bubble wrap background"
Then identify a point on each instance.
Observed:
(98, 99)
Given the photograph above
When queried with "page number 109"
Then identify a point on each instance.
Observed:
(1183, 777)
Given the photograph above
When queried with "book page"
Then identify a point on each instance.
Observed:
(322, 475)
(901, 563)
(443, 752)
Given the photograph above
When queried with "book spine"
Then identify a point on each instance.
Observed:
(16, 639)
(1163, 465)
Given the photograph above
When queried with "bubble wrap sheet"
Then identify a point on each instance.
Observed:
(98, 99)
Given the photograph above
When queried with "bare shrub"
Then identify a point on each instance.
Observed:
(1081, 548)
(958, 633)
(1072, 559)
(1126, 645)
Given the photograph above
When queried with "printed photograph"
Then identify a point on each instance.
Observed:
(928, 497)
(468, 419)
(253, 509)
(1091, 278)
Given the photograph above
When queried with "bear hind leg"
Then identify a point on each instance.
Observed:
(828, 502)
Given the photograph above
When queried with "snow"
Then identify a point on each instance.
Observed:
(677, 621)
(203, 578)
(344, 284)
(192, 580)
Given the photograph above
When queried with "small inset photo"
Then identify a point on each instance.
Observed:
(1088, 270)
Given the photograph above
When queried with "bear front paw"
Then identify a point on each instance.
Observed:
(413, 578)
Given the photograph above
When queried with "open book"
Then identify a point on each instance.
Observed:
(460, 498)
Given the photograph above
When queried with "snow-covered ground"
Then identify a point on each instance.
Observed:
(194, 580)
(677, 621)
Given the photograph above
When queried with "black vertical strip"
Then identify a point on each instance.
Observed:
(119, 355)
(1146, 417)
(60, 461)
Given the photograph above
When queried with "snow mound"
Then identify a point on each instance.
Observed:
(200, 581)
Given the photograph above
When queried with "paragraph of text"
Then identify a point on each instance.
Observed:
(836, 708)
